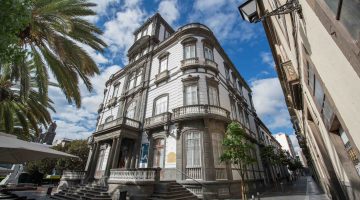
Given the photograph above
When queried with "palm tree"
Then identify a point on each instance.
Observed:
(53, 34)
(19, 115)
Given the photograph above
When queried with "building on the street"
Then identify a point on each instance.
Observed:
(168, 109)
(285, 143)
(315, 45)
(62, 141)
(301, 156)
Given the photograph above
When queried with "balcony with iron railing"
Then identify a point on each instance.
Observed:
(195, 111)
(157, 120)
(189, 63)
(124, 121)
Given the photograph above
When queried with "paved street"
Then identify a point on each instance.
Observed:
(303, 189)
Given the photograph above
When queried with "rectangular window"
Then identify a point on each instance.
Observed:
(131, 81)
(116, 89)
(233, 109)
(247, 121)
(349, 15)
(327, 113)
(227, 72)
(189, 51)
(311, 78)
(163, 64)
(240, 88)
(213, 96)
(138, 77)
(241, 114)
(191, 97)
(161, 105)
(208, 53)
(319, 93)
(192, 146)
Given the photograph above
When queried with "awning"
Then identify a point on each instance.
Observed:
(15, 151)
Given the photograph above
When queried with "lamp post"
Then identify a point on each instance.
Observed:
(249, 10)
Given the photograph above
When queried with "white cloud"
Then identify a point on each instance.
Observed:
(269, 102)
(223, 19)
(101, 8)
(118, 32)
(79, 123)
(267, 58)
(168, 10)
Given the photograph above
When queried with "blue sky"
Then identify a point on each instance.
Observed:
(245, 44)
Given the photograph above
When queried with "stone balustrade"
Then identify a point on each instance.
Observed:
(200, 110)
(135, 175)
(186, 63)
(73, 175)
(157, 120)
(120, 121)
(211, 64)
(193, 172)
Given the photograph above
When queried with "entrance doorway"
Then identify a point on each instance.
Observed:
(126, 151)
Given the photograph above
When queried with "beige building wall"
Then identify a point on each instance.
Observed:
(310, 42)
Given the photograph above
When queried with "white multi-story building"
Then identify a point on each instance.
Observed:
(316, 49)
(285, 143)
(169, 108)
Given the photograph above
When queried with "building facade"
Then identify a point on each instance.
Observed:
(316, 52)
(285, 143)
(166, 112)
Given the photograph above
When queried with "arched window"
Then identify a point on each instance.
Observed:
(161, 105)
(193, 150)
(130, 113)
(109, 119)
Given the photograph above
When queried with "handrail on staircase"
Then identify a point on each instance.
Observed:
(190, 177)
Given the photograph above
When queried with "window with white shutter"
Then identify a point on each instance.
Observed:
(191, 97)
(193, 151)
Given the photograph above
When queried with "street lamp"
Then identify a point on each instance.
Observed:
(249, 10)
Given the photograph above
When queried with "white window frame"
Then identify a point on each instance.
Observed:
(193, 138)
(131, 81)
(161, 105)
(138, 77)
(190, 51)
(163, 64)
(191, 97)
(208, 53)
(213, 95)
(130, 111)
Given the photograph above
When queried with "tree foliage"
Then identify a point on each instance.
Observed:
(238, 151)
(77, 147)
(14, 16)
(39, 37)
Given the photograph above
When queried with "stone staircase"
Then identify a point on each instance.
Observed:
(86, 192)
(171, 190)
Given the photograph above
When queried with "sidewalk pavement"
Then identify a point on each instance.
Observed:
(303, 189)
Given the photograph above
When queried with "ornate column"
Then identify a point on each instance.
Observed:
(93, 164)
(135, 154)
(115, 160)
(207, 152)
(111, 157)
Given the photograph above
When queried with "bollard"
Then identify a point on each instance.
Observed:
(252, 197)
(258, 195)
